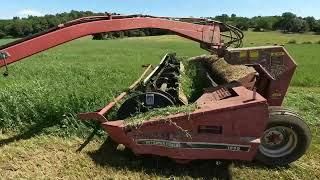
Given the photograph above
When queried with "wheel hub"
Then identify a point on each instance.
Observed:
(274, 138)
(278, 141)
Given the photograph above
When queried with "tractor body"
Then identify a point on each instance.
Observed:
(230, 119)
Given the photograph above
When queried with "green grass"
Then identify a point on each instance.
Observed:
(306, 101)
(307, 57)
(271, 38)
(40, 98)
(49, 156)
(48, 89)
(5, 41)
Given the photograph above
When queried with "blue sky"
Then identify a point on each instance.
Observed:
(196, 8)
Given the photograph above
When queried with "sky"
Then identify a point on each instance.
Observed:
(177, 8)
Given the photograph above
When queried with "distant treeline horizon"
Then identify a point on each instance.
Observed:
(288, 23)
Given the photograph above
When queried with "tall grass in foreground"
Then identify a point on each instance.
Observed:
(45, 92)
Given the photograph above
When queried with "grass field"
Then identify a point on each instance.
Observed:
(38, 102)
(274, 37)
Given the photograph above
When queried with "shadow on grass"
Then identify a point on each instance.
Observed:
(259, 166)
(29, 133)
(107, 155)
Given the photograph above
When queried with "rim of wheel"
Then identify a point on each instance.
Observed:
(278, 141)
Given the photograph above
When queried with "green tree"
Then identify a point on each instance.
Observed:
(299, 25)
(317, 27)
(2, 35)
(52, 21)
(99, 36)
(222, 18)
(39, 24)
(15, 29)
(262, 24)
(26, 28)
(289, 22)
(312, 22)
(242, 23)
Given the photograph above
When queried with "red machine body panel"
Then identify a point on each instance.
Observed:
(224, 129)
(274, 65)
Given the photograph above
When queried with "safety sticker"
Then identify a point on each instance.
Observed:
(276, 95)
(254, 55)
(277, 54)
(243, 54)
(150, 99)
(194, 145)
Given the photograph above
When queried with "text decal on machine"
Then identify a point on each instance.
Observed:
(193, 145)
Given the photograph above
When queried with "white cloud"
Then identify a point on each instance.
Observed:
(29, 12)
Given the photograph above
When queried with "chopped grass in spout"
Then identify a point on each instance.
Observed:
(197, 69)
(221, 71)
(193, 80)
(159, 113)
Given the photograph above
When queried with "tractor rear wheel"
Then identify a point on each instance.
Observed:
(286, 138)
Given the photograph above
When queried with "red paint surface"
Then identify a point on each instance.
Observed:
(240, 119)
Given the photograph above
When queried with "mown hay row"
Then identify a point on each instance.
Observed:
(223, 72)
(193, 81)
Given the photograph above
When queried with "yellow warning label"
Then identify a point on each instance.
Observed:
(276, 95)
(254, 55)
(243, 54)
(277, 54)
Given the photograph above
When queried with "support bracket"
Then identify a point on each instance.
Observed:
(3, 56)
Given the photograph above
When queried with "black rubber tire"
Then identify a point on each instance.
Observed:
(289, 119)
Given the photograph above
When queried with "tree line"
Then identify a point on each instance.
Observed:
(287, 22)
